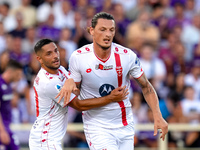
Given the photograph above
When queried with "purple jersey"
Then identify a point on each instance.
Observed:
(5, 98)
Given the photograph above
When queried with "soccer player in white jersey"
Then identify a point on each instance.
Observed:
(51, 123)
(101, 67)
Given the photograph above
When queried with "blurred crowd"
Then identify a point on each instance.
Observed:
(165, 34)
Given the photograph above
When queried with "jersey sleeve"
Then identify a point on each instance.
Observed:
(52, 90)
(136, 70)
(74, 71)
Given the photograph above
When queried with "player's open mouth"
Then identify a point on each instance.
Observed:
(106, 40)
(56, 62)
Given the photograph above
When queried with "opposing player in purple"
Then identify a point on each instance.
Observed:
(12, 73)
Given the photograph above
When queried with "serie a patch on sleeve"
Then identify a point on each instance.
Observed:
(137, 61)
(58, 87)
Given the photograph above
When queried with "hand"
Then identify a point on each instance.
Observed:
(66, 91)
(160, 123)
(4, 137)
(119, 94)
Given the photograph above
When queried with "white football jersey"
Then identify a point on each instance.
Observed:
(51, 123)
(98, 78)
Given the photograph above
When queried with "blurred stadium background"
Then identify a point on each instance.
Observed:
(165, 34)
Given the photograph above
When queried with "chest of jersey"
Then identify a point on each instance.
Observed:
(101, 77)
(46, 87)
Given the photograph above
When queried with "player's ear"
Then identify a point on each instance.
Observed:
(39, 59)
(92, 31)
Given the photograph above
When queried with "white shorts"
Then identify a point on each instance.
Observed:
(99, 138)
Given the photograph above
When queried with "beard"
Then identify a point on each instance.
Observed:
(103, 47)
(52, 67)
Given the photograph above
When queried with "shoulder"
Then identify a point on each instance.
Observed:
(124, 52)
(42, 78)
(62, 69)
(84, 50)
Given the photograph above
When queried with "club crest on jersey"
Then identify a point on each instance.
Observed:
(119, 70)
(106, 89)
(58, 87)
(102, 67)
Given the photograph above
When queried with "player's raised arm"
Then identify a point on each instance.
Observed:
(68, 88)
(152, 100)
(116, 95)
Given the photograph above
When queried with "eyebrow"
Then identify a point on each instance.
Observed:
(107, 28)
(52, 50)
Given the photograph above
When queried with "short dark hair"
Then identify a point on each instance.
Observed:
(14, 65)
(102, 15)
(41, 43)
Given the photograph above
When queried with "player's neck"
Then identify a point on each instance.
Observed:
(51, 71)
(102, 53)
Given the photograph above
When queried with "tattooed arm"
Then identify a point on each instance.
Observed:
(152, 100)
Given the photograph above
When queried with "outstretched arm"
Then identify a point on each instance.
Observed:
(152, 100)
(116, 95)
(68, 88)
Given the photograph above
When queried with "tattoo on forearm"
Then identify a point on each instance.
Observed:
(147, 88)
